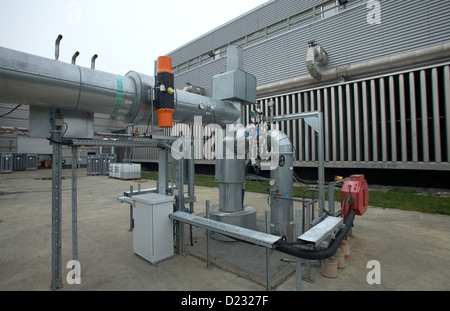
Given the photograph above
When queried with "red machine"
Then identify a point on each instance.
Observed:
(355, 195)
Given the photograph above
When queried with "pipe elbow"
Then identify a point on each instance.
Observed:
(283, 141)
(316, 57)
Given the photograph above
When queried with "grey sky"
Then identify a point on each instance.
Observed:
(127, 35)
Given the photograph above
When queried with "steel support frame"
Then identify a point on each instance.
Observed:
(56, 136)
(315, 120)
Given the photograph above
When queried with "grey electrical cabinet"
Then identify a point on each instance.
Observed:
(153, 229)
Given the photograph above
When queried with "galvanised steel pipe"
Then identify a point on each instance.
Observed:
(383, 64)
(34, 80)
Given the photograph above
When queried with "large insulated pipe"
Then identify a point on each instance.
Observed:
(383, 64)
(34, 80)
(281, 210)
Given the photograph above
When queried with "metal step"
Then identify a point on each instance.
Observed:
(322, 230)
(239, 233)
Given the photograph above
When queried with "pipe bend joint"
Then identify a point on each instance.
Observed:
(316, 57)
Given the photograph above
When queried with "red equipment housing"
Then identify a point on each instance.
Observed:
(355, 193)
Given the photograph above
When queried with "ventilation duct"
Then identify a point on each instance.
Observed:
(316, 57)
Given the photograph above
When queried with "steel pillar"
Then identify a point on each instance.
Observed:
(56, 135)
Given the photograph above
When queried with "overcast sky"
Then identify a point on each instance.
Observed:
(126, 35)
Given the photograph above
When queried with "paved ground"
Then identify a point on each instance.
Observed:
(412, 249)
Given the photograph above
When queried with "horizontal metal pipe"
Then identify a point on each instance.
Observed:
(420, 56)
(34, 80)
(212, 111)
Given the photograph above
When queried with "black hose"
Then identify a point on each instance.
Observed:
(318, 254)
(304, 181)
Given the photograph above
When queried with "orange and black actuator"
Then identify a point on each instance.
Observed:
(165, 90)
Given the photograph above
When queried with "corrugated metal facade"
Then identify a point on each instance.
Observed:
(393, 121)
(346, 36)
(397, 120)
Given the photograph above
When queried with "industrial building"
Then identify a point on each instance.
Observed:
(384, 90)
(289, 86)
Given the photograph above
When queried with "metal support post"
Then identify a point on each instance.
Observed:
(56, 135)
(163, 169)
(268, 253)
(74, 204)
(321, 164)
(208, 238)
(298, 261)
(331, 207)
(131, 210)
(191, 178)
(180, 205)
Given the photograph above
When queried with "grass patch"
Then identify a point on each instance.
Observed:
(398, 198)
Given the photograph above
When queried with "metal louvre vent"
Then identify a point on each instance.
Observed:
(394, 121)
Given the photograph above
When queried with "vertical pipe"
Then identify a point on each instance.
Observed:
(357, 105)
(403, 118)
(334, 124)
(74, 204)
(393, 118)
(326, 123)
(57, 46)
(349, 124)
(307, 130)
(295, 124)
(341, 124)
(300, 145)
(374, 121)
(447, 107)
(414, 143)
(425, 141)
(312, 107)
(365, 121)
(56, 199)
(384, 146)
(436, 116)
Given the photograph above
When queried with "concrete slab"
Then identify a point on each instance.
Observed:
(412, 248)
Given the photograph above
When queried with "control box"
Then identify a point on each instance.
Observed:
(153, 229)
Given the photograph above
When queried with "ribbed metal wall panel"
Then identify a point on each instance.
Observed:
(266, 14)
(346, 36)
(400, 120)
